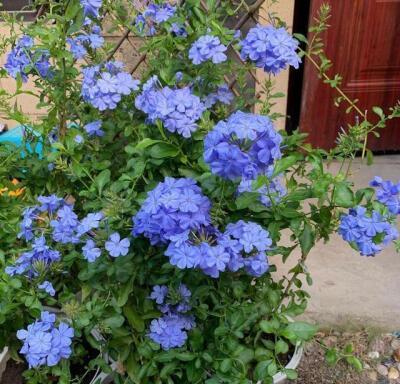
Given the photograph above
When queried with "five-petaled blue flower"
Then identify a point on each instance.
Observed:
(117, 247)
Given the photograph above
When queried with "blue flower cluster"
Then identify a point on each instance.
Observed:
(367, 231)
(22, 60)
(45, 343)
(270, 48)
(177, 213)
(244, 146)
(155, 14)
(173, 207)
(66, 228)
(80, 44)
(222, 95)
(270, 193)
(91, 7)
(247, 243)
(178, 109)
(41, 255)
(104, 85)
(387, 193)
(170, 330)
(207, 48)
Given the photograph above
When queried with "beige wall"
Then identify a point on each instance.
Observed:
(285, 10)
(25, 102)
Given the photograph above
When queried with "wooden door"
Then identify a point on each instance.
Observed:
(363, 43)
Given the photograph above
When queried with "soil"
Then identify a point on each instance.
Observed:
(13, 373)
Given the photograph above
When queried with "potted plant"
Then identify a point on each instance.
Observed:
(153, 209)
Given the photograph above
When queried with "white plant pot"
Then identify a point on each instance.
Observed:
(4, 356)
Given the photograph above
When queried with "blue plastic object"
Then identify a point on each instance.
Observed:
(16, 137)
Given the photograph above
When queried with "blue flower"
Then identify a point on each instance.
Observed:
(94, 128)
(172, 208)
(247, 243)
(159, 293)
(223, 95)
(50, 203)
(170, 330)
(154, 15)
(256, 265)
(30, 214)
(80, 44)
(48, 287)
(117, 247)
(65, 227)
(183, 256)
(90, 252)
(44, 343)
(214, 259)
(41, 254)
(91, 7)
(104, 85)
(387, 193)
(178, 30)
(207, 48)
(23, 60)
(244, 144)
(91, 221)
(178, 109)
(272, 49)
(79, 139)
(367, 231)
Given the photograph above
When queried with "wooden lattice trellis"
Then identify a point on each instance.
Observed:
(247, 14)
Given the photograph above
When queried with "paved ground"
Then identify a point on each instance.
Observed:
(351, 289)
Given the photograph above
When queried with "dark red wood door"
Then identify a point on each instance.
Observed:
(363, 43)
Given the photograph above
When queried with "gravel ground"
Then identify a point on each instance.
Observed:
(379, 355)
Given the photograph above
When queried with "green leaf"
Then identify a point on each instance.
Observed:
(102, 179)
(281, 347)
(269, 326)
(307, 239)
(285, 163)
(185, 356)
(226, 365)
(343, 196)
(355, 363)
(379, 112)
(134, 319)
(246, 199)
(302, 330)
(291, 374)
(114, 321)
(300, 37)
(261, 370)
(145, 143)
(163, 150)
(125, 292)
